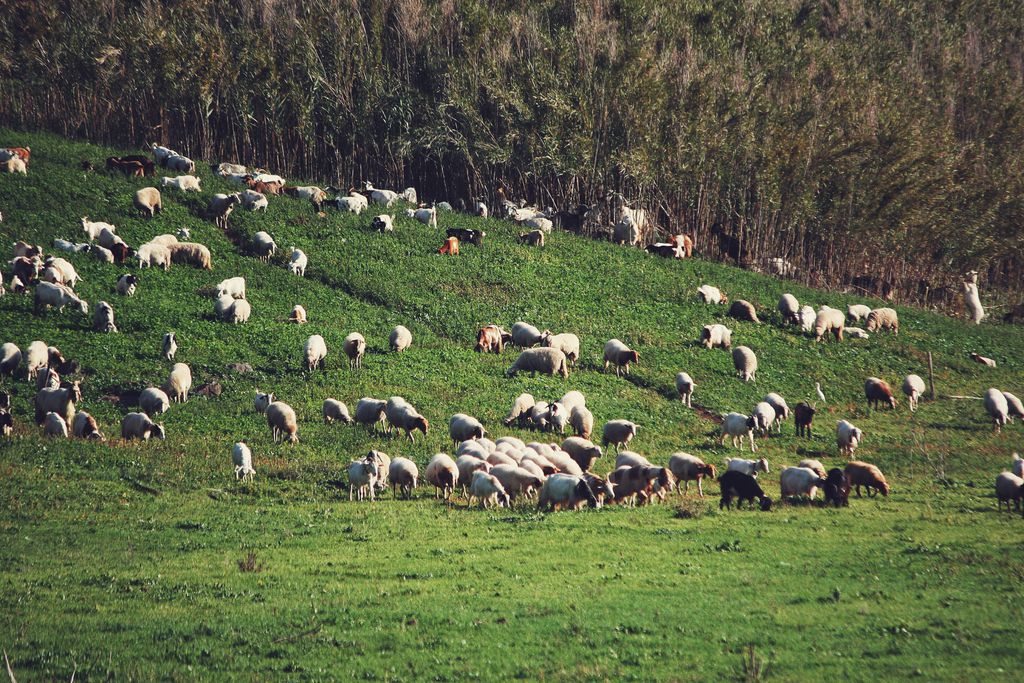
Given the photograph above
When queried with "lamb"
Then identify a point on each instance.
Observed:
(848, 438)
(491, 338)
(764, 417)
(803, 415)
(297, 263)
(631, 482)
(807, 318)
(618, 433)
(169, 346)
(878, 391)
(403, 475)
(362, 478)
(582, 421)
(621, 355)
(383, 223)
(836, 488)
(101, 253)
(353, 203)
(565, 491)
(370, 412)
(225, 169)
(856, 333)
(154, 401)
(686, 468)
(139, 426)
(567, 343)
(743, 310)
(520, 411)
(745, 362)
(400, 339)
(973, 303)
(402, 415)
(883, 319)
(151, 255)
(516, 481)
(263, 245)
(58, 296)
(462, 427)
(443, 474)
(582, 451)
(179, 382)
(714, 336)
(486, 488)
(857, 312)
(233, 287)
(997, 407)
(737, 426)
(800, 481)
(298, 315)
(789, 308)
(191, 253)
(526, 335)
(315, 352)
(829, 320)
(67, 271)
(84, 427)
(70, 247)
(162, 154)
(148, 201)
(254, 201)
(54, 425)
(127, 284)
(1014, 407)
(335, 410)
(743, 487)
(864, 474)
(282, 422)
(354, 347)
(103, 318)
(185, 183)
(982, 359)
(241, 457)
(10, 359)
(711, 295)
(544, 360)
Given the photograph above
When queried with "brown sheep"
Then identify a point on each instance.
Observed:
(743, 310)
(865, 474)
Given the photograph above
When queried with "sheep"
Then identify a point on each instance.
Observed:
(836, 488)
(864, 474)
(241, 457)
(54, 425)
(334, 409)
(621, 355)
(263, 245)
(573, 399)
(789, 308)
(631, 459)
(848, 438)
(58, 296)
(354, 347)
(298, 315)
(168, 346)
(400, 339)
(261, 400)
(1017, 465)
(533, 238)
(179, 382)
(567, 343)
(353, 203)
(403, 475)
(526, 335)
(383, 223)
(425, 216)
(14, 165)
(737, 426)
(47, 379)
(686, 468)
(711, 295)
(151, 255)
(829, 320)
(148, 201)
(177, 162)
(743, 487)
(462, 427)
(254, 201)
(803, 415)
(1009, 486)
(538, 223)
(10, 359)
(626, 231)
(103, 318)
(565, 491)
(127, 284)
(185, 183)
(799, 481)
(370, 412)
(807, 318)
(154, 401)
(582, 451)
(856, 333)
(997, 407)
(70, 247)
(618, 433)
(442, 473)
(162, 154)
(582, 421)
(1014, 407)
(315, 353)
(643, 481)
(139, 426)
(402, 415)
(714, 336)
(764, 417)
(781, 409)
(883, 319)
(972, 301)
(491, 338)
(516, 480)
(37, 356)
(84, 427)
(745, 362)
(539, 414)
(878, 391)
(751, 467)
(488, 489)
(67, 271)
(982, 359)
(101, 253)
(297, 262)
(520, 411)
(467, 464)
(857, 312)
(191, 253)
(362, 478)
(814, 465)
(544, 360)
(282, 422)
(743, 310)
(225, 169)
(233, 287)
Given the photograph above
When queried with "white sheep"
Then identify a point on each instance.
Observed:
(582, 421)
(402, 415)
(1017, 465)
(370, 412)
(750, 467)
(103, 318)
(151, 255)
(362, 478)
(745, 362)
(179, 383)
(37, 356)
(233, 287)
(913, 388)
(565, 491)
(617, 353)
(618, 433)
(154, 401)
(686, 468)
(857, 312)
(800, 481)
(545, 360)
(856, 333)
(335, 410)
(403, 476)
(789, 307)
(1014, 406)
(262, 400)
(526, 335)
(185, 183)
(883, 319)
(383, 223)
(354, 347)
(10, 359)
(711, 295)
(520, 411)
(297, 262)
(58, 400)
(997, 407)
(425, 216)
(567, 343)
(848, 438)
(353, 203)
(92, 229)
(282, 422)
(238, 312)
(139, 426)
(807, 318)
(486, 488)
(517, 480)
(84, 427)
(254, 201)
(443, 474)
(764, 417)
(54, 425)
(168, 346)
(263, 245)
(714, 336)
(1009, 487)
(191, 253)
(781, 408)
(684, 387)
(148, 201)
(737, 425)
(67, 271)
(315, 353)
(48, 294)
(298, 315)
(400, 339)
(241, 456)
(462, 427)
(829, 320)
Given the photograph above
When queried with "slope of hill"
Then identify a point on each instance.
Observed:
(127, 558)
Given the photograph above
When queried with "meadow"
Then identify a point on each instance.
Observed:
(149, 561)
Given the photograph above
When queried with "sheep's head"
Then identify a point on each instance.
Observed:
(421, 424)
(766, 504)
(762, 465)
(158, 432)
(83, 306)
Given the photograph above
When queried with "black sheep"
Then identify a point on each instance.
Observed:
(744, 487)
(837, 491)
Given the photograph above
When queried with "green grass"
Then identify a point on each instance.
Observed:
(133, 560)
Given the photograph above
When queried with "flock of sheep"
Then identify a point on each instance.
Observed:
(493, 472)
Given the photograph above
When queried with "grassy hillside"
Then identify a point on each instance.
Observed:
(123, 559)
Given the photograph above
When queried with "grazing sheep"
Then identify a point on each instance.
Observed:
(70, 247)
(10, 359)
(54, 425)
(126, 285)
(191, 253)
(582, 451)
(745, 362)
(807, 318)
(520, 411)
(864, 474)
(486, 488)
(640, 481)
(582, 421)
(813, 465)
(403, 475)
(883, 319)
(913, 389)
(737, 425)
(400, 339)
(544, 360)
(565, 491)
(686, 468)
(233, 287)
(491, 338)
(241, 457)
(263, 245)
(169, 346)
(101, 253)
(836, 488)
(743, 310)
(997, 407)
(148, 201)
(982, 359)
(58, 400)
(848, 438)
(154, 401)
(533, 238)
(37, 357)
(383, 223)
(803, 415)
(567, 343)
(335, 410)
(462, 427)
(829, 320)
(185, 183)
(711, 295)
(618, 433)
(282, 422)
(370, 412)
(92, 229)
(362, 478)
(631, 459)
(66, 271)
(48, 294)
(353, 203)
(751, 467)
(402, 415)
(179, 383)
(426, 216)
(1014, 407)
(297, 263)
(740, 485)
(177, 162)
(443, 474)
(1009, 486)
(789, 308)
(799, 481)
(516, 481)
(298, 315)
(973, 303)
(84, 427)
(354, 347)
(103, 318)
(856, 333)
(878, 391)
(139, 426)
(714, 336)
(621, 355)
(467, 464)
(151, 255)
(857, 312)
(47, 379)
(526, 335)
(254, 201)
(764, 417)
(781, 409)
(315, 353)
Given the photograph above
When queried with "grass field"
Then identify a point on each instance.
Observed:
(146, 561)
